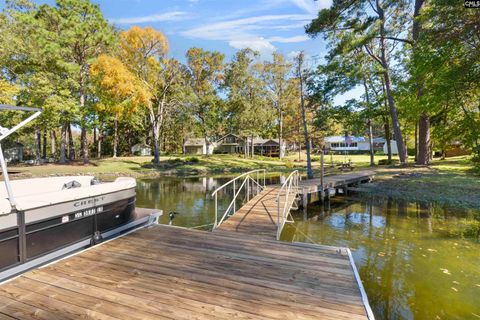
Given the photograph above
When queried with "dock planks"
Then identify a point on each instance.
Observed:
(259, 216)
(335, 181)
(167, 272)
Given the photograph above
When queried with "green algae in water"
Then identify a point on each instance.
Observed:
(415, 261)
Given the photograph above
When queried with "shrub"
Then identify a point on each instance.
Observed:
(192, 159)
(289, 164)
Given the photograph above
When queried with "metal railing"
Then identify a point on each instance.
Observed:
(253, 181)
(290, 195)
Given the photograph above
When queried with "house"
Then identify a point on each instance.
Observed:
(15, 153)
(141, 149)
(393, 145)
(357, 144)
(230, 143)
(346, 143)
(267, 147)
(197, 146)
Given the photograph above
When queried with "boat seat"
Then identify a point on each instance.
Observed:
(26, 187)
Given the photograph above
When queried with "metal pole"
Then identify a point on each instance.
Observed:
(234, 197)
(248, 187)
(6, 179)
(216, 213)
(21, 124)
(322, 173)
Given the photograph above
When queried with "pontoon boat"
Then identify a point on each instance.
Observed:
(42, 219)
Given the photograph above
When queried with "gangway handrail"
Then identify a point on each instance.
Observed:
(248, 176)
(282, 213)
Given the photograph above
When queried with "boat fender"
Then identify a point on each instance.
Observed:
(97, 238)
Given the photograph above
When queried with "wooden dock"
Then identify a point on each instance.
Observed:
(335, 181)
(259, 216)
(167, 272)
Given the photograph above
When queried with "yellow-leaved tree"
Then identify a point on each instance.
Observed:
(143, 51)
(120, 91)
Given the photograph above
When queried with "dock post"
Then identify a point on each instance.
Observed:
(322, 173)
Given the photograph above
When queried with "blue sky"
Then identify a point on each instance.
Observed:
(224, 25)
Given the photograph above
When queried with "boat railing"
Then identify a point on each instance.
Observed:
(285, 199)
(4, 133)
(253, 182)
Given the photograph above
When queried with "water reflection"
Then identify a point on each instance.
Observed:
(189, 197)
(416, 261)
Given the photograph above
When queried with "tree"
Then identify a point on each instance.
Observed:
(143, 50)
(300, 76)
(276, 78)
(362, 24)
(118, 89)
(83, 34)
(247, 107)
(204, 75)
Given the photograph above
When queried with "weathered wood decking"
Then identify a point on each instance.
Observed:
(259, 216)
(173, 273)
(335, 181)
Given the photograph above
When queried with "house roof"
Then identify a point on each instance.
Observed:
(260, 141)
(195, 142)
(228, 135)
(333, 139)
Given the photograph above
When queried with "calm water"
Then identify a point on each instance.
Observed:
(416, 261)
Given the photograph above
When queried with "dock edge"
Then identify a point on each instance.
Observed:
(366, 304)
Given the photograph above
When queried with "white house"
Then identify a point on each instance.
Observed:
(352, 143)
(349, 143)
(393, 145)
(198, 146)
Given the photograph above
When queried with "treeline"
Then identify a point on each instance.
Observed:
(417, 63)
(121, 88)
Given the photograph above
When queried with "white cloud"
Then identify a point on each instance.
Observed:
(312, 6)
(289, 39)
(243, 33)
(167, 16)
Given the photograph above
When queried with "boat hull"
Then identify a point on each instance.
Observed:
(30, 234)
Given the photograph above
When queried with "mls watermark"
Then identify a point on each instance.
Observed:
(471, 4)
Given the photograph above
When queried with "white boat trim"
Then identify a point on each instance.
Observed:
(68, 251)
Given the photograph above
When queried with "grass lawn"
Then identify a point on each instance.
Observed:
(450, 181)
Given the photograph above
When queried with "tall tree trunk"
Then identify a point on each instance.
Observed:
(99, 143)
(83, 135)
(252, 147)
(304, 118)
(63, 143)
(369, 125)
(416, 140)
(37, 145)
(388, 138)
(94, 139)
(386, 76)
(53, 143)
(423, 157)
(423, 151)
(115, 136)
(44, 148)
(155, 136)
(370, 142)
(71, 144)
(280, 132)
